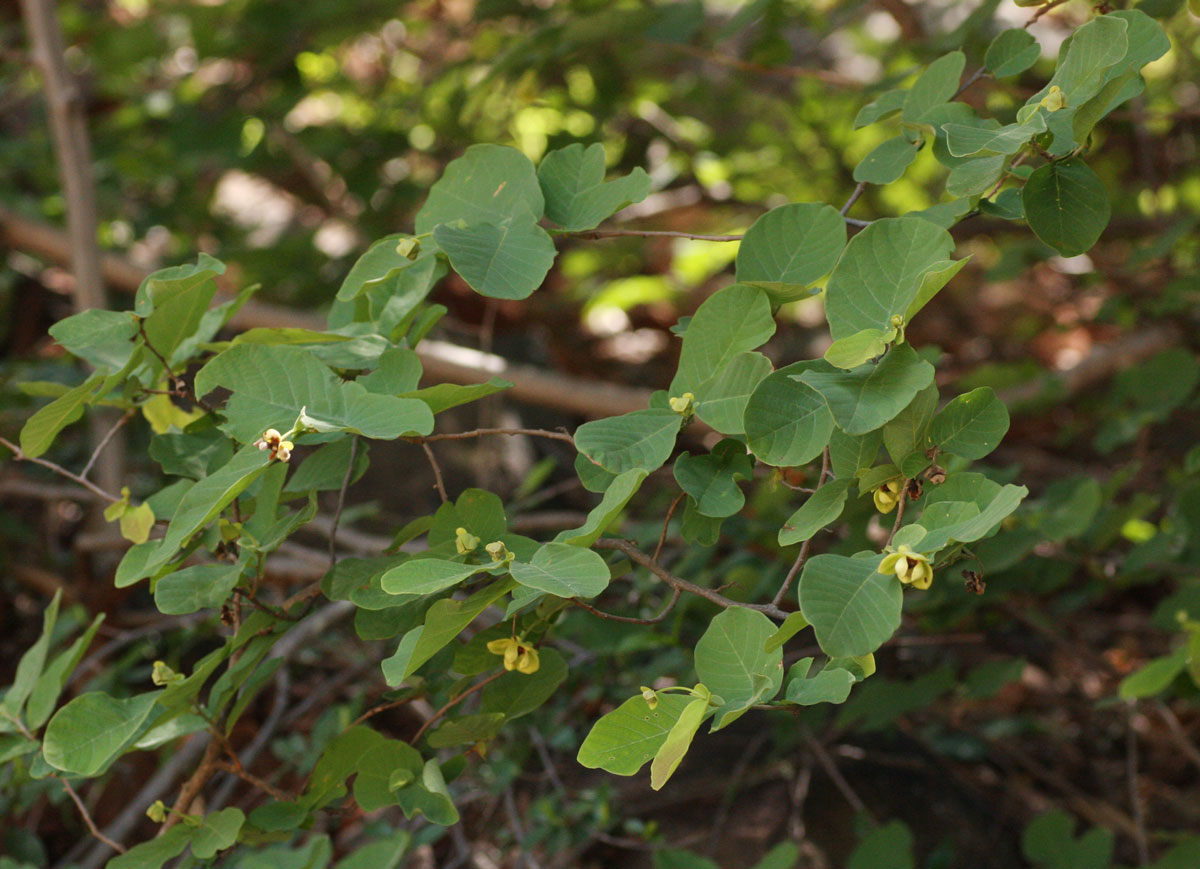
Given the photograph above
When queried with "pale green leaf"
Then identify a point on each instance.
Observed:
(216, 832)
(936, 85)
(711, 479)
(787, 422)
(884, 106)
(577, 196)
(105, 339)
(381, 261)
(671, 753)
(868, 397)
(729, 657)
(616, 496)
(43, 427)
(427, 576)
(967, 141)
(625, 739)
(488, 184)
(887, 161)
(830, 685)
(852, 607)
(721, 400)
(853, 350)
(729, 322)
(202, 586)
(1011, 53)
(822, 507)
(506, 260)
(792, 245)
(93, 730)
(563, 570)
(32, 663)
(642, 439)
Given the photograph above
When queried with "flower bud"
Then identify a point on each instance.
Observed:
(683, 404)
(465, 541)
(650, 696)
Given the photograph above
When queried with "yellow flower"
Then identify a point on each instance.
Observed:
(888, 496)
(911, 568)
(683, 404)
(517, 655)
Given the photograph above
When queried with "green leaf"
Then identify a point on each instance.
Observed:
(508, 260)
(790, 246)
(975, 177)
(376, 768)
(711, 479)
(866, 398)
(785, 855)
(1050, 842)
(677, 742)
(616, 496)
(852, 607)
(831, 685)
(429, 797)
(787, 422)
(179, 306)
(325, 469)
(54, 676)
(193, 455)
(1066, 205)
(731, 321)
(203, 502)
(467, 730)
(935, 277)
(971, 425)
(444, 621)
(822, 507)
(886, 847)
(1155, 677)
(972, 528)
(792, 625)
(216, 832)
(887, 161)
(853, 350)
(153, 853)
(1011, 53)
(1083, 59)
(488, 184)
(427, 576)
(563, 570)
(479, 511)
(884, 106)
(850, 454)
(936, 85)
(202, 586)
(166, 284)
(444, 396)
(906, 433)
(963, 140)
(381, 261)
(32, 663)
(721, 400)
(577, 196)
(732, 661)
(272, 384)
(93, 730)
(515, 694)
(397, 371)
(642, 439)
(881, 271)
(104, 339)
(43, 427)
(625, 739)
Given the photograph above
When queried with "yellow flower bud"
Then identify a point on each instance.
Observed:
(682, 404)
(650, 696)
(885, 501)
(921, 576)
(157, 811)
(465, 541)
(1054, 99)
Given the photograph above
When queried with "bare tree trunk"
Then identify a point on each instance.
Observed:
(74, 156)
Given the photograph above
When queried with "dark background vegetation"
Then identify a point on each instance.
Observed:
(283, 137)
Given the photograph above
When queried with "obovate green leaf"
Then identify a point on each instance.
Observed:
(507, 260)
(853, 350)
(971, 528)
(216, 832)
(679, 739)
(732, 661)
(202, 586)
(1066, 205)
(729, 322)
(488, 184)
(935, 86)
(721, 400)
(563, 570)
(515, 694)
(787, 422)
(271, 385)
(971, 425)
(711, 479)
(616, 496)
(887, 161)
(577, 196)
(43, 427)
(166, 284)
(884, 106)
(852, 607)
(642, 439)
(868, 397)
(381, 261)
(830, 685)
(790, 246)
(104, 339)
(428, 576)
(881, 271)
(822, 507)
(93, 730)
(1011, 53)
(967, 141)
(625, 739)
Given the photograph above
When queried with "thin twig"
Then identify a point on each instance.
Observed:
(19, 456)
(835, 775)
(643, 233)
(108, 436)
(631, 620)
(250, 778)
(87, 818)
(192, 787)
(662, 537)
(1181, 737)
(341, 502)
(480, 432)
(1042, 11)
(454, 701)
(899, 511)
(635, 554)
(437, 473)
(803, 556)
(974, 77)
(858, 191)
(1135, 798)
(384, 707)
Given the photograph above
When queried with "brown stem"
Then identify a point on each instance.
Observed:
(631, 620)
(19, 455)
(974, 77)
(192, 787)
(803, 556)
(480, 432)
(858, 191)
(125, 417)
(662, 537)
(643, 233)
(437, 473)
(635, 554)
(251, 779)
(87, 818)
(383, 707)
(454, 702)
(899, 511)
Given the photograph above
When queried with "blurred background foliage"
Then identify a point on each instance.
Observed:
(284, 137)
